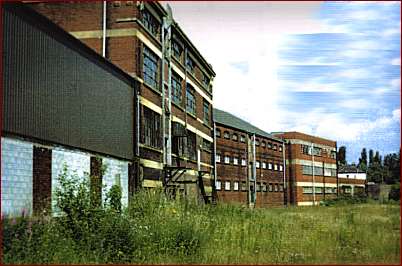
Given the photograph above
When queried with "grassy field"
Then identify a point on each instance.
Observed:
(155, 230)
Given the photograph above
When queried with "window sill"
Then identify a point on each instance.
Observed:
(178, 106)
(150, 148)
(152, 88)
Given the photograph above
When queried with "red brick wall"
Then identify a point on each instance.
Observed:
(42, 179)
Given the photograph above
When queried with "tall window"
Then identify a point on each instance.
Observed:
(176, 89)
(263, 144)
(234, 137)
(227, 185)
(150, 22)
(242, 138)
(280, 147)
(206, 145)
(235, 161)
(269, 145)
(192, 145)
(206, 112)
(190, 64)
(306, 149)
(227, 159)
(205, 80)
(236, 185)
(257, 164)
(177, 49)
(190, 100)
(243, 162)
(150, 68)
(218, 185)
(218, 133)
(218, 158)
(281, 167)
(151, 128)
(264, 165)
(226, 135)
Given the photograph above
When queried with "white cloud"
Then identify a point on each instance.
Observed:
(396, 61)
(354, 73)
(312, 85)
(391, 32)
(354, 104)
(395, 83)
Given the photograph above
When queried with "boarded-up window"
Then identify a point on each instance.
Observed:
(151, 128)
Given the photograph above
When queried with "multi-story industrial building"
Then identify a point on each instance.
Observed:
(174, 85)
(250, 166)
(312, 167)
(351, 180)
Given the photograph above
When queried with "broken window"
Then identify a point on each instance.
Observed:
(206, 112)
(242, 138)
(206, 145)
(176, 89)
(190, 64)
(226, 135)
(177, 49)
(190, 100)
(151, 128)
(150, 22)
(243, 186)
(275, 147)
(269, 145)
(191, 145)
(150, 68)
(263, 144)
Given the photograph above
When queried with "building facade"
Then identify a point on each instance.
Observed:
(312, 168)
(174, 85)
(250, 166)
(352, 180)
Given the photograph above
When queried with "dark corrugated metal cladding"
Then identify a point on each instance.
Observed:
(53, 93)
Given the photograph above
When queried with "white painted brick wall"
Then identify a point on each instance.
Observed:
(16, 176)
(78, 163)
(115, 167)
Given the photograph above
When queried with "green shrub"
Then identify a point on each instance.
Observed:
(394, 194)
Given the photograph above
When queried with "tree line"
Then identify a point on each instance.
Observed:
(379, 169)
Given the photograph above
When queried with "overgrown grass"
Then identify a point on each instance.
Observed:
(156, 230)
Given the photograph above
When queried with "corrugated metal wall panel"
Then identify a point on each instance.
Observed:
(54, 93)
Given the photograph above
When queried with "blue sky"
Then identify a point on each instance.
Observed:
(330, 69)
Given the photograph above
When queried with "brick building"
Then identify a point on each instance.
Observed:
(174, 85)
(249, 163)
(312, 168)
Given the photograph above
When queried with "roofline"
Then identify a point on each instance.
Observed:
(46, 25)
(305, 134)
(208, 65)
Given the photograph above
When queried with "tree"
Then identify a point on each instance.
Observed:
(342, 155)
(371, 156)
(391, 168)
(363, 160)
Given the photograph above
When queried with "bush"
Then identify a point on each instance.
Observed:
(394, 194)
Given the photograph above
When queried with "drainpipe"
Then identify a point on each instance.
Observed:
(285, 196)
(163, 92)
(312, 157)
(214, 164)
(104, 30)
(254, 172)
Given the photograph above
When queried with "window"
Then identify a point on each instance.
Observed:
(226, 135)
(191, 145)
(218, 158)
(318, 171)
(258, 186)
(318, 190)
(280, 147)
(264, 165)
(328, 190)
(263, 144)
(218, 133)
(327, 172)
(276, 188)
(307, 170)
(150, 22)
(235, 161)
(190, 100)
(242, 138)
(227, 159)
(281, 167)
(206, 145)
(236, 185)
(151, 134)
(234, 137)
(275, 147)
(150, 68)
(280, 187)
(270, 166)
(276, 167)
(306, 149)
(257, 164)
(317, 151)
(227, 185)
(243, 162)
(333, 172)
(205, 80)
(176, 89)
(177, 49)
(190, 64)
(270, 187)
(264, 187)
(206, 112)
(333, 154)
(218, 185)
(257, 142)
(269, 145)
(243, 186)
(307, 190)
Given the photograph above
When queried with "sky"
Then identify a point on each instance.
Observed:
(330, 69)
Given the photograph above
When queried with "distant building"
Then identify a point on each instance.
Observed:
(351, 179)
(249, 163)
(311, 164)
